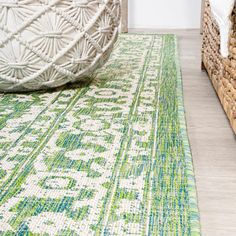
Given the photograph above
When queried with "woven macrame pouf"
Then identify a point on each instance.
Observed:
(48, 43)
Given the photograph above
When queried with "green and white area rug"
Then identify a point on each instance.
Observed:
(110, 157)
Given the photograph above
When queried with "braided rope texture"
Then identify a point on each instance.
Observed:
(48, 43)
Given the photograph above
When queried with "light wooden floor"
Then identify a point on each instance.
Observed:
(212, 141)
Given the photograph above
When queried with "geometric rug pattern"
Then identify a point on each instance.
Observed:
(106, 157)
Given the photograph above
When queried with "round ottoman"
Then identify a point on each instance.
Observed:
(48, 43)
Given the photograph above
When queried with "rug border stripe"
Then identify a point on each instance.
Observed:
(192, 188)
(193, 200)
(131, 114)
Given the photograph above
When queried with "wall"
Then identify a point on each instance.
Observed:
(164, 14)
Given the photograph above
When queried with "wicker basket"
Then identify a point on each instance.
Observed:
(222, 71)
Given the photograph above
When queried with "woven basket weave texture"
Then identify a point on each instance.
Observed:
(222, 71)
